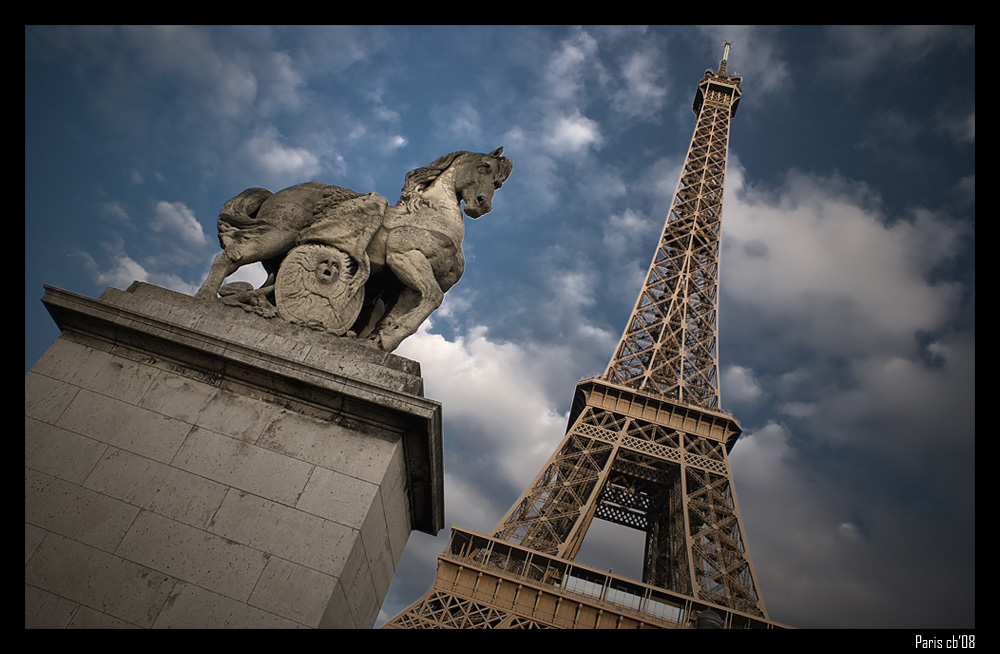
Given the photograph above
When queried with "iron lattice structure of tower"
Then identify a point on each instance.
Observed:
(646, 446)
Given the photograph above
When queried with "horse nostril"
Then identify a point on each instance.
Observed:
(480, 199)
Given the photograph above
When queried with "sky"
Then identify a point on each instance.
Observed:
(847, 283)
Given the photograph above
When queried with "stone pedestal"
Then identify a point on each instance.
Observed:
(189, 464)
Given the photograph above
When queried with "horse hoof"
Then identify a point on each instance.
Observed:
(235, 287)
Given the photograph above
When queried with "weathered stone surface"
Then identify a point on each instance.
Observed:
(59, 452)
(293, 591)
(193, 607)
(228, 567)
(348, 263)
(240, 465)
(79, 513)
(163, 489)
(91, 577)
(191, 464)
(124, 425)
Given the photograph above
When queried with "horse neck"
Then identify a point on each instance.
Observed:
(438, 203)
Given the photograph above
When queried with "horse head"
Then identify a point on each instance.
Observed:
(477, 177)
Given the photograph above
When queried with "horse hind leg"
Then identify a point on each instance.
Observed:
(222, 267)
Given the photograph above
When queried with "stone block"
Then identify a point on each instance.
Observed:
(379, 554)
(83, 366)
(157, 487)
(59, 452)
(95, 578)
(338, 613)
(192, 465)
(45, 398)
(235, 415)
(33, 537)
(341, 498)
(359, 586)
(88, 618)
(185, 552)
(78, 513)
(193, 607)
(354, 449)
(124, 425)
(397, 519)
(241, 465)
(177, 396)
(293, 591)
(276, 528)
(44, 610)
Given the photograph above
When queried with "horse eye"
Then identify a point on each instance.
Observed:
(484, 168)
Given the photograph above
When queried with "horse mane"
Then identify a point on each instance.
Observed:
(416, 181)
(420, 179)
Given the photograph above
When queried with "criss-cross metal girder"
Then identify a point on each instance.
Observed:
(670, 343)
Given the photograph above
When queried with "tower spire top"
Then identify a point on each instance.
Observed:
(725, 57)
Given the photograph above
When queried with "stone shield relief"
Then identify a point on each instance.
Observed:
(317, 286)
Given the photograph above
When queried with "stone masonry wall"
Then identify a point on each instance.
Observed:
(161, 495)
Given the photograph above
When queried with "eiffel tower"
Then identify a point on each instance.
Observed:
(646, 446)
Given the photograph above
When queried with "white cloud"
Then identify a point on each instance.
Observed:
(223, 82)
(643, 94)
(797, 409)
(793, 524)
(467, 505)
(169, 246)
(501, 418)
(961, 127)
(116, 211)
(266, 151)
(573, 290)
(123, 272)
(176, 219)
(626, 229)
(861, 50)
(922, 413)
(818, 256)
(461, 121)
(283, 82)
(740, 386)
(850, 532)
(821, 530)
(573, 133)
(565, 71)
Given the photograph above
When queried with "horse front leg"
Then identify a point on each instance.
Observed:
(416, 303)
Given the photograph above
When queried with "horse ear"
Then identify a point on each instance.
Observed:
(497, 152)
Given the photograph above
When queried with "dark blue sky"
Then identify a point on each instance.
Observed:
(847, 306)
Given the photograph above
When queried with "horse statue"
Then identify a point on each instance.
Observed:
(349, 263)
